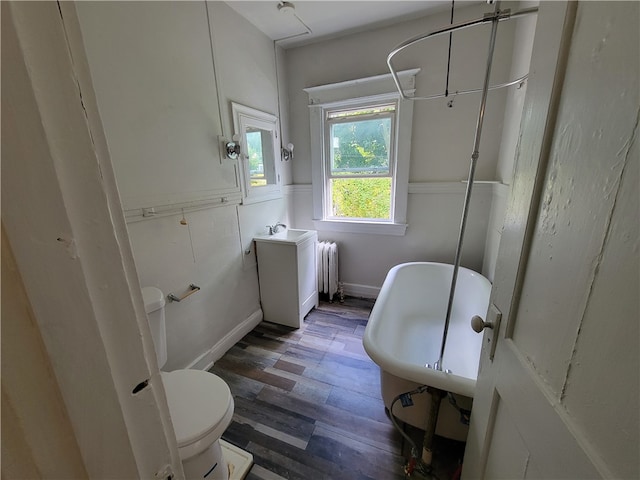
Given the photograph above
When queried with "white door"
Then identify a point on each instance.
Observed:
(559, 399)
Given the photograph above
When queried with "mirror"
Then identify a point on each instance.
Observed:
(259, 168)
(260, 153)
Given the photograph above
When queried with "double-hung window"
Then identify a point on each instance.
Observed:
(360, 148)
(359, 162)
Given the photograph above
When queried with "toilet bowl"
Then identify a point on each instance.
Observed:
(200, 403)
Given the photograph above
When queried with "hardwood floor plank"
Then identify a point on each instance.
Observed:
(258, 472)
(357, 378)
(266, 341)
(289, 367)
(247, 358)
(368, 464)
(281, 464)
(390, 443)
(309, 389)
(365, 405)
(353, 347)
(308, 405)
(360, 330)
(272, 432)
(254, 371)
(325, 413)
(286, 460)
(311, 356)
(239, 385)
(320, 344)
(276, 417)
(337, 321)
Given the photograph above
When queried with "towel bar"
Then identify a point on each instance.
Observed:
(192, 289)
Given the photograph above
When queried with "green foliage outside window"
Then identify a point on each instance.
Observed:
(361, 145)
(256, 162)
(361, 197)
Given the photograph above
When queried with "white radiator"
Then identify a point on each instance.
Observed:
(328, 269)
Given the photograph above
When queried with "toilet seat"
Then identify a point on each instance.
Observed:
(201, 408)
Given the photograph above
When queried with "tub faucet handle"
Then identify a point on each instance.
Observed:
(478, 324)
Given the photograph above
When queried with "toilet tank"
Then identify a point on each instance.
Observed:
(154, 306)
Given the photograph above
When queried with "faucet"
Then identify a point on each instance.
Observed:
(274, 228)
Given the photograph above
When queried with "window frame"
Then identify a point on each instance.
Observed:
(366, 92)
(245, 117)
(328, 158)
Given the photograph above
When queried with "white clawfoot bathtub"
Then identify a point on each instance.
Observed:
(404, 334)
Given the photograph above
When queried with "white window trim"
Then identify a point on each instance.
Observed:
(354, 93)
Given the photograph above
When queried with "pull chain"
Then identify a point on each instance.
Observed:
(446, 88)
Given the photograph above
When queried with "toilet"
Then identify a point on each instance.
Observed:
(200, 403)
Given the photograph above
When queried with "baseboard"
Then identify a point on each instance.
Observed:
(207, 359)
(356, 290)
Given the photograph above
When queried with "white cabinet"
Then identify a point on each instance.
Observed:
(287, 275)
(154, 80)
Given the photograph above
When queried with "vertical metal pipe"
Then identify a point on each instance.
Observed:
(472, 170)
(434, 408)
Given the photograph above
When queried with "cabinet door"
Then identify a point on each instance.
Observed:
(278, 277)
(153, 73)
(307, 276)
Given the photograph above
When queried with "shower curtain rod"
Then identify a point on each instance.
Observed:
(487, 18)
(494, 18)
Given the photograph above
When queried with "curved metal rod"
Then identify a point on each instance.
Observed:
(519, 80)
(489, 17)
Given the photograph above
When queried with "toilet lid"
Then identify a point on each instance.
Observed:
(198, 402)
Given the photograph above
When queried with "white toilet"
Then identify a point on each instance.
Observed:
(200, 403)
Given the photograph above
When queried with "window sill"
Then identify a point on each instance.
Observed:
(397, 229)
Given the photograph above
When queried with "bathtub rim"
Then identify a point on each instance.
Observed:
(449, 382)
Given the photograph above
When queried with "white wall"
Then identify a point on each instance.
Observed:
(522, 46)
(441, 146)
(54, 452)
(209, 250)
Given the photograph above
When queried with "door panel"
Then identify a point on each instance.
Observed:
(508, 456)
(561, 393)
(556, 450)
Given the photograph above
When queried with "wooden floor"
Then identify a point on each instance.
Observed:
(307, 402)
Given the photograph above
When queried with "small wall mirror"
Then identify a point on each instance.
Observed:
(259, 165)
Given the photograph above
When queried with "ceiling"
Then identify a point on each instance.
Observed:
(329, 18)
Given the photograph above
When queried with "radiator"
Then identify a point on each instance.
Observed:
(328, 270)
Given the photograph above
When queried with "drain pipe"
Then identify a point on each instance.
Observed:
(420, 464)
(434, 408)
(472, 169)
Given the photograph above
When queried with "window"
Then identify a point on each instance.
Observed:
(360, 142)
(359, 161)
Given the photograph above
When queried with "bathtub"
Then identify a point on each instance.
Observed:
(404, 334)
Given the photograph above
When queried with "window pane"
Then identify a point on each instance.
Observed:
(256, 159)
(367, 198)
(361, 147)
